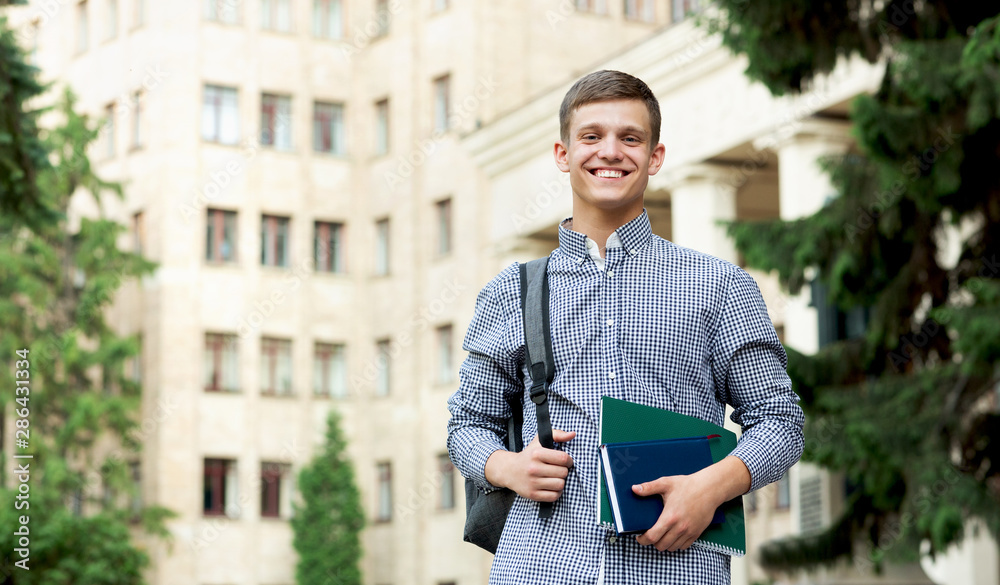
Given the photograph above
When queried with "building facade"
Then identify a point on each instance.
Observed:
(326, 185)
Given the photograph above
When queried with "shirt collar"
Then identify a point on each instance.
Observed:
(634, 235)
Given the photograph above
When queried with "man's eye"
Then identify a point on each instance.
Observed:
(632, 139)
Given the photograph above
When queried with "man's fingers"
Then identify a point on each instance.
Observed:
(545, 469)
(553, 457)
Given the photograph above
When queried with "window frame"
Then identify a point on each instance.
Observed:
(219, 107)
(275, 357)
(383, 491)
(383, 125)
(276, 122)
(216, 347)
(216, 220)
(271, 234)
(328, 247)
(333, 128)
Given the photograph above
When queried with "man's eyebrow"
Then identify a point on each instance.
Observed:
(628, 129)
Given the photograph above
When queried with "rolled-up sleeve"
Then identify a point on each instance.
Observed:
(489, 374)
(748, 364)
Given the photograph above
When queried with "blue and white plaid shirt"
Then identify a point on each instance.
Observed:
(661, 325)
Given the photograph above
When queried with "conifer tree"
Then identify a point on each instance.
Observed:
(78, 413)
(328, 522)
(907, 410)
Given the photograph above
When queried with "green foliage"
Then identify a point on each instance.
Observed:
(55, 285)
(905, 410)
(328, 523)
(22, 154)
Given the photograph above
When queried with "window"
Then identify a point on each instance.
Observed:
(382, 126)
(594, 6)
(276, 15)
(220, 236)
(382, 247)
(384, 473)
(221, 363)
(327, 19)
(220, 487)
(443, 227)
(276, 121)
(784, 497)
(328, 128)
(226, 11)
(111, 27)
(135, 505)
(447, 471)
(439, 5)
(276, 366)
(382, 17)
(330, 370)
(274, 241)
(640, 10)
(108, 131)
(681, 8)
(82, 27)
(328, 247)
(138, 13)
(137, 119)
(138, 232)
(76, 502)
(445, 365)
(383, 363)
(274, 489)
(219, 115)
(441, 103)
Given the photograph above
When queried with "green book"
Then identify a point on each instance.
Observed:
(624, 421)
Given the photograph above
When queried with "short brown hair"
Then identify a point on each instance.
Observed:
(607, 85)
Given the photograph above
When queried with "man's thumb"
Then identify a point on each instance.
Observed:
(648, 488)
(562, 436)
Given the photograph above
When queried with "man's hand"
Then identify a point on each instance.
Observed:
(535, 473)
(689, 502)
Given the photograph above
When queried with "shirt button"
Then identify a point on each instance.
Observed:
(610, 322)
(632, 251)
(611, 375)
(611, 273)
(612, 539)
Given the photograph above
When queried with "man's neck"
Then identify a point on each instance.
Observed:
(599, 224)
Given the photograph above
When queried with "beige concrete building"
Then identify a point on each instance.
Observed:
(326, 185)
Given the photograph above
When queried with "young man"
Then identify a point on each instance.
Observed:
(635, 317)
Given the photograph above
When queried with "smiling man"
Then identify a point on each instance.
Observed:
(635, 317)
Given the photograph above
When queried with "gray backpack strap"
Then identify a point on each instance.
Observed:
(538, 350)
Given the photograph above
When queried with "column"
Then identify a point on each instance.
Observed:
(701, 195)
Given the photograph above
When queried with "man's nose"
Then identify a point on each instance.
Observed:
(611, 149)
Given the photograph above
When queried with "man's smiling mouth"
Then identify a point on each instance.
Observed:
(609, 173)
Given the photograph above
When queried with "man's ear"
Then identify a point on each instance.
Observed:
(656, 158)
(560, 154)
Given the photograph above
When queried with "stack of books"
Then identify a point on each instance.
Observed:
(640, 443)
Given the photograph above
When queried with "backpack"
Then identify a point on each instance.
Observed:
(486, 514)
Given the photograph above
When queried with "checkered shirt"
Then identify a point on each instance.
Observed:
(662, 325)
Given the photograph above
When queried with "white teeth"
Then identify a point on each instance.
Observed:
(606, 174)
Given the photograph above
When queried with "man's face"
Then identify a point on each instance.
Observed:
(608, 154)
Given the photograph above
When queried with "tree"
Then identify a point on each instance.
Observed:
(328, 522)
(22, 155)
(78, 411)
(907, 410)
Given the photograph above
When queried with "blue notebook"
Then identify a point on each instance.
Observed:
(628, 464)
